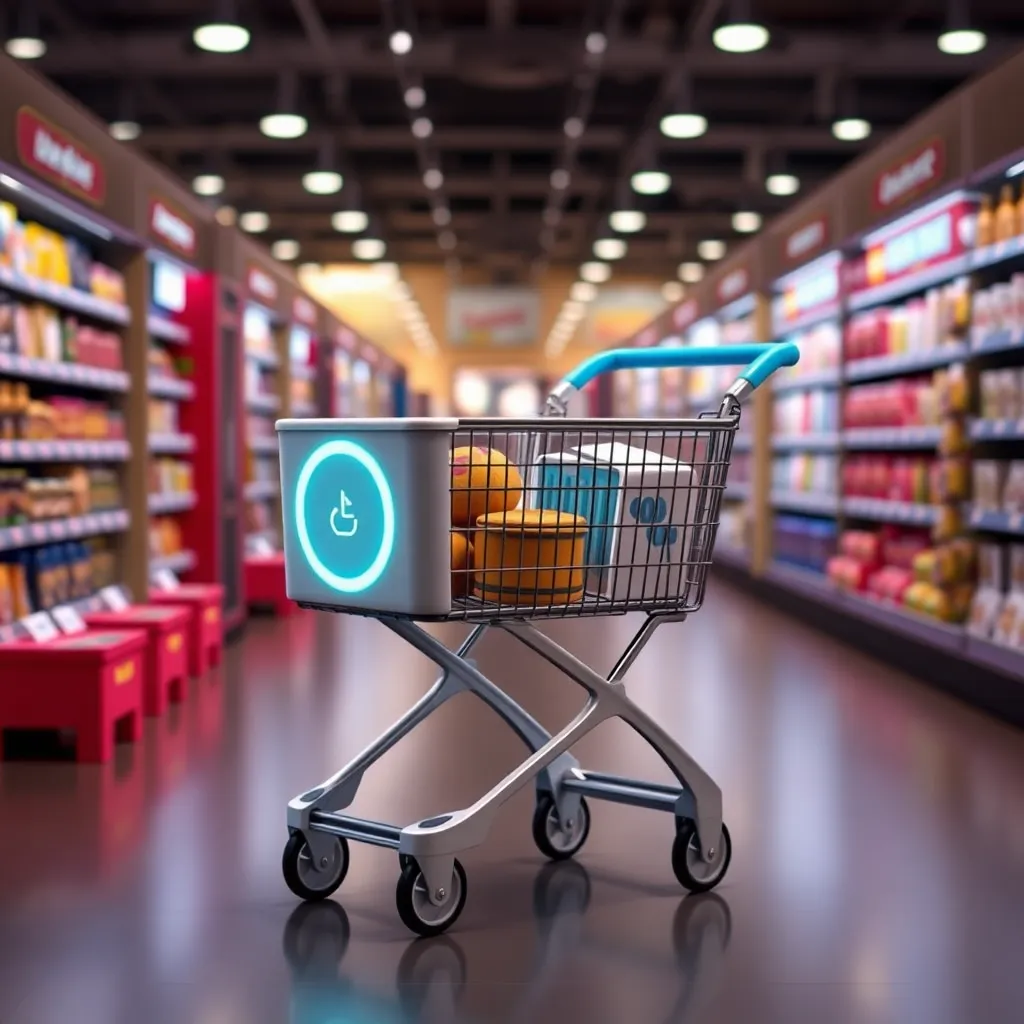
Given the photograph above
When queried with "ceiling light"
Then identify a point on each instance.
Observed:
(368, 248)
(25, 47)
(322, 183)
(442, 216)
(574, 311)
(283, 126)
(433, 179)
(962, 41)
(221, 37)
(350, 222)
(285, 249)
(255, 222)
(309, 268)
(851, 129)
(711, 249)
(415, 97)
(573, 127)
(207, 184)
(672, 291)
(400, 43)
(740, 37)
(691, 273)
(609, 248)
(583, 291)
(125, 131)
(422, 128)
(627, 221)
(595, 273)
(446, 240)
(559, 179)
(782, 184)
(596, 43)
(684, 126)
(746, 222)
(651, 183)
(226, 216)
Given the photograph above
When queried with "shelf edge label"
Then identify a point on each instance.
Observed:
(59, 157)
(171, 227)
(911, 175)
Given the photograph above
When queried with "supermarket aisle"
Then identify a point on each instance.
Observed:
(878, 829)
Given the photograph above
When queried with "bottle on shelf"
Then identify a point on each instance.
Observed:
(985, 228)
(1006, 215)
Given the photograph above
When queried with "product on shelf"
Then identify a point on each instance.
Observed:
(998, 486)
(55, 418)
(912, 402)
(820, 349)
(37, 331)
(165, 537)
(806, 412)
(999, 307)
(804, 473)
(170, 476)
(804, 541)
(1002, 394)
(29, 499)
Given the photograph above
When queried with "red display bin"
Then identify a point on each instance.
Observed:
(264, 584)
(90, 683)
(206, 641)
(167, 653)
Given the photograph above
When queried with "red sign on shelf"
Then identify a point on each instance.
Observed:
(807, 240)
(59, 158)
(304, 311)
(733, 285)
(171, 227)
(260, 284)
(685, 314)
(911, 176)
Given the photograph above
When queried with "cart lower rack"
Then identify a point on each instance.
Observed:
(502, 524)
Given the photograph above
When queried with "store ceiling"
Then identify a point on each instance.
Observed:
(501, 78)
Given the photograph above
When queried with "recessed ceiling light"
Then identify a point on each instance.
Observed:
(422, 128)
(711, 249)
(125, 131)
(285, 249)
(609, 248)
(691, 273)
(573, 127)
(627, 221)
(596, 43)
(782, 184)
(583, 291)
(400, 43)
(309, 268)
(740, 37)
(595, 273)
(962, 41)
(207, 184)
(684, 126)
(415, 97)
(442, 216)
(851, 129)
(651, 183)
(25, 47)
(559, 179)
(226, 216)
(433, 178)
(746, 222)
(350, 222)
(283, 126)
(368, 248)
(672, 291)
(322, 183)
(221, 37)
(255, 222)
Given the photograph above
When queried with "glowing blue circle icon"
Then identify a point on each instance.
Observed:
(345, 516)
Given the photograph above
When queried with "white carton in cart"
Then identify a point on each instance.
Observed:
(640, 508)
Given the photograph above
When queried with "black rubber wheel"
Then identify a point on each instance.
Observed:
(311, 881)
(417, 911)
(431, 974)
(551, 838)
(404, 860)
(315, 939)
(692, 871)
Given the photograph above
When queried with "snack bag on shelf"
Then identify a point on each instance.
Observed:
(988, 598)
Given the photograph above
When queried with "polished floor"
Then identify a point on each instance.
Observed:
(877, 876)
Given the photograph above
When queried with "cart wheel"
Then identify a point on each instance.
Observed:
(553, 839)
(404, 860)
(693, 872)
(311, 881)
(415, 908)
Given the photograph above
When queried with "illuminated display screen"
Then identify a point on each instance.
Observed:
(169, 286)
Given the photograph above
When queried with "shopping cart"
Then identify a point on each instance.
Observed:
(505, 523)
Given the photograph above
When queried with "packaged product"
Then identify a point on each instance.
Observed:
(1013, 489)
(987, 484)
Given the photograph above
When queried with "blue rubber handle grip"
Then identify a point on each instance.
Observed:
(762, 360)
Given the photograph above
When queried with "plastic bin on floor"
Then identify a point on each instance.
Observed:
(206, 640)
(167, 668)
(91, 683)
(265, 585)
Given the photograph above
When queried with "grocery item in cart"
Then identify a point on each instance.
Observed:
(483, 481)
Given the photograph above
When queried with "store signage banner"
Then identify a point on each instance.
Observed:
(733, 286)
(167, 225)
(261, 285)
(686, 314)
(619, 313)
(807, 241)
(304, 311)
(493, 316)
(912, 176)
(59, 158)
(807, 293)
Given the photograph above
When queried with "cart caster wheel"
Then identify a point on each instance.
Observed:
(692, 871)
(554, 840)
(417, 911)
(404, 860)
(311, 881)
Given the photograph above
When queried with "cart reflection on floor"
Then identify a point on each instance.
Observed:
(433, 974)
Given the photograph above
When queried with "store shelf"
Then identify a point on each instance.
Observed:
(163, 329)
(13, 538)
(172, 444)
(303, 410)
(906, 438)
(167, 504)
(180, 561)
(742, 443)
(997, 430)
(911, 284)
(998, 341)
(268, 360)
(267, 404)
(735, 558)
(1000, 252)
(60, 451)
(263, 445)
(805, 442)
(907, 623)
(262, 490)
(739, 491)
(1011, 523)
(163, 386)
(813, 504)
(815, 585)
(879, 510)
(829, 378)
(12, 365)
(813, 317)
(70, 299)
(996, 656)
(880, 367)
